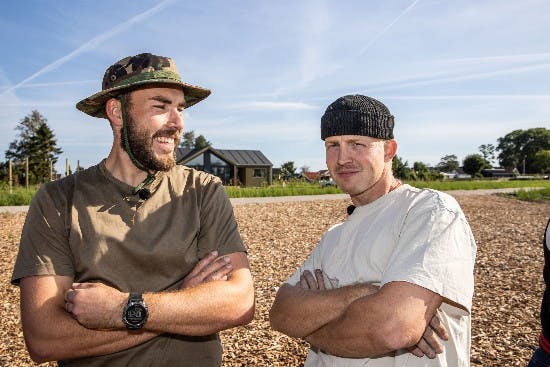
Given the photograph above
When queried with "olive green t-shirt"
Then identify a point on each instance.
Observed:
(89, 226)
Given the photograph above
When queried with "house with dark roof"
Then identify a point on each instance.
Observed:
(233, 167)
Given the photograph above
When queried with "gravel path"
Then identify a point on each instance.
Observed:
(279, 235)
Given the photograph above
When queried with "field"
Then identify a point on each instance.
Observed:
(508, 276)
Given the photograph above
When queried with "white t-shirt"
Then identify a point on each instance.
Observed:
(412, 235)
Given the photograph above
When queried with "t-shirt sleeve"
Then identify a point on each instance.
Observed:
(218, 226)
(43, 249)
(436, 250)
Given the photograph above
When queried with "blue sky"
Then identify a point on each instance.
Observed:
(455, 74)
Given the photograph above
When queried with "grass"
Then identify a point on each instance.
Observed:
(22, 196)
(533, 195)
(292, 189)
(18, 196)
(449, 185)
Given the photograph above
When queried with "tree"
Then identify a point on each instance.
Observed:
(473, 164)
(542, 161)
(188, 140)
(448, 163)
(518, 148)
(201, 142)
(400, 169)
(36, 141)
(288, 170)
(488, 151)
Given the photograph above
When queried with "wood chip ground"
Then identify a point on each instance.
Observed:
(279, 236)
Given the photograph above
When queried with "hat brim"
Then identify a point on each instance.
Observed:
(95, 104)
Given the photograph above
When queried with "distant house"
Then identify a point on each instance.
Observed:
(233, 167)
(457, 174)
(498, 172)
(311, 176)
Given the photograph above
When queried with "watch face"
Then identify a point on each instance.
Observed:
(135, 314)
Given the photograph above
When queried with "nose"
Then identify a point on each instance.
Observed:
(176, 119)
(343, 155)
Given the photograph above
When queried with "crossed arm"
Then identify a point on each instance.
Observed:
(359, 321)
(66, 320)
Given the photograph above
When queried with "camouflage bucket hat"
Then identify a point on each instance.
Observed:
(137, 71)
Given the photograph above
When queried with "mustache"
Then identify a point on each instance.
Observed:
(167, 133)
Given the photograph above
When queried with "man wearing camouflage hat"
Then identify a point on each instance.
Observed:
(381, 287)
(135, 261)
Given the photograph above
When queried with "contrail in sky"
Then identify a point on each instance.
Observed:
(92, 44)
(373, 40)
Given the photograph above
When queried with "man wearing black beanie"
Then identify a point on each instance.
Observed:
(378, 285)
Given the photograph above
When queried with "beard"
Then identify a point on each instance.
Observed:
(140, 142)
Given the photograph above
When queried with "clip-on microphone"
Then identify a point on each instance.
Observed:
(144, 193)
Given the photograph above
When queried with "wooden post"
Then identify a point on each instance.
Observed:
(66, 167)
(78, 165)
(51, 169)
(27, 173)
(10, 177)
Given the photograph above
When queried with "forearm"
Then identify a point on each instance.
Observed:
(52, 334)
(359, 332)
(394, 318)
(204, 309)
(298, 312)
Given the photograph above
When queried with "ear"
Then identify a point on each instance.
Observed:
(113, 111)
(390, 149)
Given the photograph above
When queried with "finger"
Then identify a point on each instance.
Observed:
(303, 282)
(425, 348)
(416, 351)
(221, 273)
(203, 263)
(83, 285)
(310, 279)
(219, 264)
(433, 340)
(69, 295)
(320, 279)
(439, 328)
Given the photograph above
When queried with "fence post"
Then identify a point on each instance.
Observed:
(27, 173)
(51, 169)
(66, 167)
(10, 177)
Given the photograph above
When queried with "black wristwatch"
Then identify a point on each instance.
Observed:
(135, 313)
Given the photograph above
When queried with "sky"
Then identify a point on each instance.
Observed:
(456, 74)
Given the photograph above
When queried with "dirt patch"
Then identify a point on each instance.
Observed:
(279, 236)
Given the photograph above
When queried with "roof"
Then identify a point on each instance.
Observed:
(246, 157)
(239, 158)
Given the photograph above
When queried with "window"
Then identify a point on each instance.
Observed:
(258, 172)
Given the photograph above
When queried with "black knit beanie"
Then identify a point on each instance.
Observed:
(357, 115)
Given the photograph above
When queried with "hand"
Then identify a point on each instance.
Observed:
(95, 305)
(208, 269)
(308, 281)
(430, 345)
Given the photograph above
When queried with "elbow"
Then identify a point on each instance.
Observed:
(247, 316)
(245, 312)
(280, 322)
(40, 352)
(395, 337)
